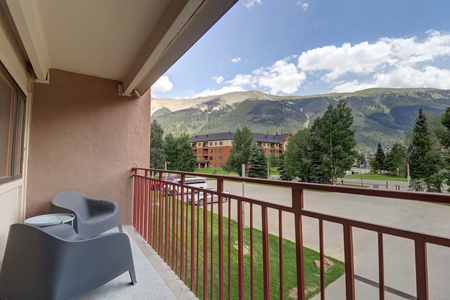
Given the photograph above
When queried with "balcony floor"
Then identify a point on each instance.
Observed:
(155, 280)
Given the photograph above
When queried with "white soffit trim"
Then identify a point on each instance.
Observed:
(30, 30)
(144, 61)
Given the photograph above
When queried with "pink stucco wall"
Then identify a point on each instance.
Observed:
(85, 137)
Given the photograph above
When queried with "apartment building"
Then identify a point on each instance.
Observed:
(212, 150)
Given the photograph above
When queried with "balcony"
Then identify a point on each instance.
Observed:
(391, 244)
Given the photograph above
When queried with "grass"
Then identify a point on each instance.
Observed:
(383, 177)
(312, 273)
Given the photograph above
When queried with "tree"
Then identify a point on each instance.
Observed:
(170, 151)
(297, 155)
(157, 157)
(395, 159)
(179, 152)
(424, 161)
(419, 147)
(258, 163)
(240, 152)
(332, 144)
(379, 157)
(186, 157)
(273, 159)
(282, 169)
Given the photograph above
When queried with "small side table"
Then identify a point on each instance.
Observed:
(50, 219)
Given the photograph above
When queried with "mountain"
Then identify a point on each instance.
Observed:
(380, 115)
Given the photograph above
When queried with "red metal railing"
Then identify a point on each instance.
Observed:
(196, 241)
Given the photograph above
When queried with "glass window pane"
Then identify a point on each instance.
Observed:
(18, 149)
(6, 131)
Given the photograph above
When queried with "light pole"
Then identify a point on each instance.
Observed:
(165, 167)
(408, 176)
(360, 173)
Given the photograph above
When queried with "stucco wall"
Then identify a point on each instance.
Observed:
(12, 200)
(85, 137)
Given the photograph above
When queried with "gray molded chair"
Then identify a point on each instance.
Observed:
(92, 216)
(55, 263)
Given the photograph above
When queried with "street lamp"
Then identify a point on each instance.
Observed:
(165, 167)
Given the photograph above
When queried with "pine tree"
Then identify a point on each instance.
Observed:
(179, 152)
(258, 163)
(424, 161)
(420, 146)
(157, 158)
(282, 169)
(395, 159)
(379, 157)
(332, 144)
(297, 155)
(240, 152)
(186, 157)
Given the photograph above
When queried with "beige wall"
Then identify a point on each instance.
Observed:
(12, 200)
(85, 137)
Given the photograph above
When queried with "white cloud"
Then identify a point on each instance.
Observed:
(281, 77)
(303, 5)
(224, 90)
(218, 79)
(162, 85)
(388, 62)
(236, 60)
(251, 3)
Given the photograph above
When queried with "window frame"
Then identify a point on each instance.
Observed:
(17, 123)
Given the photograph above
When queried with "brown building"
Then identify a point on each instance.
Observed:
(212, 150)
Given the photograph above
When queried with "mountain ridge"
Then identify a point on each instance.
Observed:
(380, 114)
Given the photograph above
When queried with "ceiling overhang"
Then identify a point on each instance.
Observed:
(133, 41)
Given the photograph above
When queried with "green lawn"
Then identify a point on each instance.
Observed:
(312, 274)
(383, 177)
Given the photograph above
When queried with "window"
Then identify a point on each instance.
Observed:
(220, 150)
(220, 157)
(12, 118)
(215, 143)
(220, 143)
(210, 143)
(210, 158)
(199, 144)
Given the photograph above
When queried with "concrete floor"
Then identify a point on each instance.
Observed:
(155, 279)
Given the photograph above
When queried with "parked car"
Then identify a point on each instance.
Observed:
(158, 185)
(199, 197)
(198, 182)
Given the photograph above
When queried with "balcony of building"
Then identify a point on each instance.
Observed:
(390, 244)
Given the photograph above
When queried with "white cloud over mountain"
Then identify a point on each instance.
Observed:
(387, 62)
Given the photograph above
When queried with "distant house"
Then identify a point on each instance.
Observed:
(212, 150)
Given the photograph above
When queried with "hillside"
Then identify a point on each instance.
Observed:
(380, 115)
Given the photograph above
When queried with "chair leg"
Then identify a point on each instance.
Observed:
(120, 227)
(133, 277)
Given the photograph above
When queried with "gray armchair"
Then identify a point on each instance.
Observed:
(55, 263)
(92, 216)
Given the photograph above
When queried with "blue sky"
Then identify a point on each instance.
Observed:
(292, 47)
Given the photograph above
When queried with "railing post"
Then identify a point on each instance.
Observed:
(265, 244)
(349, 265)
(421, 269)
(241, 250)
(221, 243)
(297, 205)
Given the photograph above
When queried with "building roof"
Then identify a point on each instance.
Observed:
(259, 137)
(133, 41)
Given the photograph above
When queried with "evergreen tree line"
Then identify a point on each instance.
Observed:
(176, 151)
(324, 153)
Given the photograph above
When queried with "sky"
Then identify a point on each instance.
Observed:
(307, 47)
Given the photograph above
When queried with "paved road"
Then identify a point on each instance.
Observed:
(398, 253)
